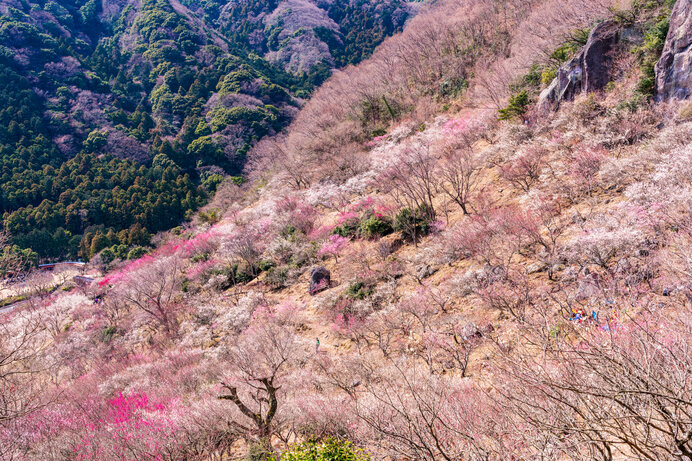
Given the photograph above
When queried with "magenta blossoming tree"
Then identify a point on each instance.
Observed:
(333, 246)
(131, 426)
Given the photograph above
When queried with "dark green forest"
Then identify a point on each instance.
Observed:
(120, 119)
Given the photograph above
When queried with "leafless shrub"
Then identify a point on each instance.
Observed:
(524, 169)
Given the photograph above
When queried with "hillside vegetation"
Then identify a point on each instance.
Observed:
(168, 98)
(474, 245)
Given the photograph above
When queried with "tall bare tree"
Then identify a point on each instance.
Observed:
(593, 394)
(458, 171)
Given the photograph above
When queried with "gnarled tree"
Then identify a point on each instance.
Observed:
(260, 359)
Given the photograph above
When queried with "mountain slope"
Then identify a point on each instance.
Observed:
(482, 253)
(150, 83)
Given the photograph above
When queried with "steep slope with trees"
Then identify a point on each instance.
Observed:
(168, 99)
(481, 253)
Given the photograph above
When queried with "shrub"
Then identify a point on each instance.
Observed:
(241, 273)
(568, 49)
(288, 232)
(369, 224)
(11, 300)
(237, 180)
(266, 264)
(209, 217)
(200, 257)
(548, 75)
(185, 286)
(136, 253)
(277, 277)
(650, 51)
(109, 332)
(359, 289)
(231, 275)
(529, 81)
(107, 255)
(212, 181)
(329, 449)
(348, 228)
(517, 106)
(259, 451)
(120, 251)
(412, 225)
(378, 132)
(374, 226)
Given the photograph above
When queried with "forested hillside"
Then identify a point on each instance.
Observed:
(121, 118)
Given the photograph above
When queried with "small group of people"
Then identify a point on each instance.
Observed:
(579, 315)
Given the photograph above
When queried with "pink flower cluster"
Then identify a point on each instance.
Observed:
(376, 140)
(117, 276)
(333, 246)
(346, 324)
(201, 268)
(347, 216)
(200, 243)
(133, 423)
(366, 205)
(320, 232)
(197, 244)
(456, 125)
(298, 213)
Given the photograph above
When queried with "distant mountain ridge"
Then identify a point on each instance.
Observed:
(299, 34)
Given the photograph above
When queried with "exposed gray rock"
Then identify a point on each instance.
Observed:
(598, 55)
(674, 69)
(587, 71)
(425, 270)
(565, 86)
(536, 267)
(633, 35)
(588, 287)
(469, 331)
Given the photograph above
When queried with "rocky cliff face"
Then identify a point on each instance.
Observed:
(674, 69)
(587, 71)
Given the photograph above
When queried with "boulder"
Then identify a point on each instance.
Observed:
(565, 86)
(588, 287)
(320, 278)
(469, 332)
(674, 69)
(536, 267)
(588, 71)
(425, 270)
